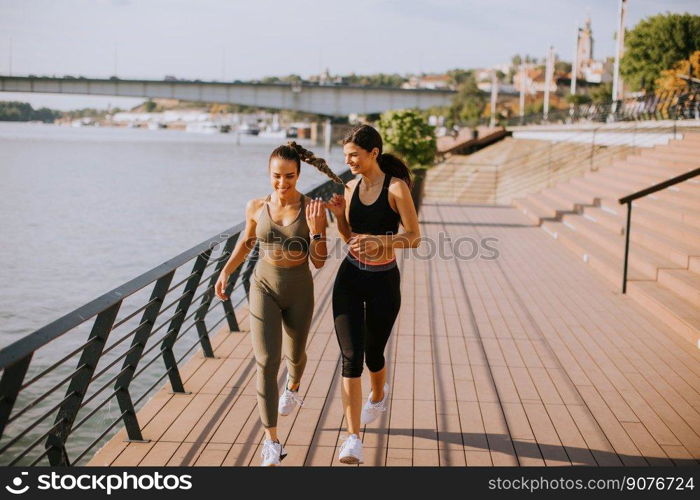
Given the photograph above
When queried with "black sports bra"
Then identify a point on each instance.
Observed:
(377, 218)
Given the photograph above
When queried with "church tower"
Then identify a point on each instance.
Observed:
(585, 47)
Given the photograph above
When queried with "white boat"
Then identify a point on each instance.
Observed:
(202, 128)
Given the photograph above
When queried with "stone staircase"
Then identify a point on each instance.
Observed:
(512, 168)
(664, 258)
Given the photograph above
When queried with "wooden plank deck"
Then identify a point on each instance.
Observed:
(526, 359)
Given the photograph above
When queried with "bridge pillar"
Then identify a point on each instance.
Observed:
(314, 133)
(327, 134)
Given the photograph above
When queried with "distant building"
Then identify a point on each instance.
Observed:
(434, 82)
(587, 68)
(533, 80)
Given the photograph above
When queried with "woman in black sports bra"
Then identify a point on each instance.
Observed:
(366, 293)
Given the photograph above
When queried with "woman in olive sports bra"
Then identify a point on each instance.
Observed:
(291, 231)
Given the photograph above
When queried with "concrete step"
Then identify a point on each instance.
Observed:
(621, 185)
(676, 312)
(599, 189)
(657, 170)
(694, 265)
(649, 177)
(672, 248)
(646, 259)
(626, 175)
(615, 217)
(668, 208)
(679, 145)
(612, 222)
(685, 199)
(543, 204)
(689, 157)
(682, 282)
(586, 193)
(531, 210)
(660, 162)
(609, 266)
(564, 200)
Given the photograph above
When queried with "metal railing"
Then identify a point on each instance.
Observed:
(627, 200)
(44, 400)
(666, 105)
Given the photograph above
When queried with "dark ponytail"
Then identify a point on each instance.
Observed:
(368, 138)
(393, 166)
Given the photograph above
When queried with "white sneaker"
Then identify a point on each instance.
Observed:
(351, 450)
(288, 400)
(272, 453)
(371, 411)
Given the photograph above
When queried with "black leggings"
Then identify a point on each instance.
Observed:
(365, 306)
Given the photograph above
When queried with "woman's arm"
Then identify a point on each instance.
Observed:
(337, 207)
(316, 220)
(245, 243)
(410, 237)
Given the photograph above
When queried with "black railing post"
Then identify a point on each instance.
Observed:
(10, 384)
(179, 318)
(199, 318)
(138, 344)
(78, 387)
(627, 247)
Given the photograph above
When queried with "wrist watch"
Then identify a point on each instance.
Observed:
(316, 237)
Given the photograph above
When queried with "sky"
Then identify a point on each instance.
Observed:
(240, 40)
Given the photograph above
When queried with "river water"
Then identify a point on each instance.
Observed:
(83, 210)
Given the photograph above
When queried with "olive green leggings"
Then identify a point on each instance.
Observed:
(279, 296)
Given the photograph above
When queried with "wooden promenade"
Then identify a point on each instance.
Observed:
(526, 359)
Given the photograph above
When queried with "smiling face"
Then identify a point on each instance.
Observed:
(359, 159)
(284, 175)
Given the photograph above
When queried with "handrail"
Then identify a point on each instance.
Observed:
(97, 359)
(639, 194)
(660, 186)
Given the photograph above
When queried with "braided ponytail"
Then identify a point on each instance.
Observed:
(308, 157)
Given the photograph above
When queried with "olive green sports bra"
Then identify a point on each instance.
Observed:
(292, 237)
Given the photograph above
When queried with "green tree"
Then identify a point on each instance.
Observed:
(22, 112)
(656, 44)
(578, 99)
(459, 76)
(562, 66)
(468, 103)
(408, 134)
(602, 93)
(149, 106)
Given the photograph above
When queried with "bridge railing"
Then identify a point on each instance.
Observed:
(55, 409)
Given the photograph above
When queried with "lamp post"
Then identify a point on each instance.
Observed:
(548, 76)
(494, 97)
(617, 82)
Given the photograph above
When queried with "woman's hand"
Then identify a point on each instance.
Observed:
(220, 286)
(365, 245)
(316, 216)
(336, 205)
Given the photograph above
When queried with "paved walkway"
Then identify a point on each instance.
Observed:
(526, 359)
